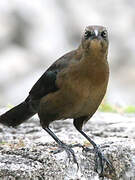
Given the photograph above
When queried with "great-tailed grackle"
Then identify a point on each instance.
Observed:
(72, 87)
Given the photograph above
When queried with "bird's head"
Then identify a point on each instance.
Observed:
(95, 38)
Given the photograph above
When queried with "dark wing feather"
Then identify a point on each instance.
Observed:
(47, 82)
(44, 85)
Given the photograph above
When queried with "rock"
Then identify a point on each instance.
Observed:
(26, 151)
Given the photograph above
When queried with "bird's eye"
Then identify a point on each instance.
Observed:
(87, 34)
(104, 34)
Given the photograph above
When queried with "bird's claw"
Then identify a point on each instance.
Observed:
(100, 161)
(69, 151)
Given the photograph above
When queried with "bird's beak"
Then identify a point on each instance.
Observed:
(96, 32)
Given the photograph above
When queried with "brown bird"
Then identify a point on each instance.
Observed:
(72, 87)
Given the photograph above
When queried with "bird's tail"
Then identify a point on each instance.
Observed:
(16, 115)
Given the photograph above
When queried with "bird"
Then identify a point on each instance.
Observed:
(71, 88)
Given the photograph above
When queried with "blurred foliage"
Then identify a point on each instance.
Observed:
(106, 107)
(129, 109)
(3, 143)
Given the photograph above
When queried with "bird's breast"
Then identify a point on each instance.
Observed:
(84, 92)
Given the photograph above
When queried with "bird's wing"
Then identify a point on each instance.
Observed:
(47, 82)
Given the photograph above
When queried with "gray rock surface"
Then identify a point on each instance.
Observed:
(26, 151)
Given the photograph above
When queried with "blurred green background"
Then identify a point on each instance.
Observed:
(34, 33)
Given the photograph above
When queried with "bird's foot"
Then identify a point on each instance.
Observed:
(69, 151)
(100, 161)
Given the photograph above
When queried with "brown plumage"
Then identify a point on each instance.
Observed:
(73, 87)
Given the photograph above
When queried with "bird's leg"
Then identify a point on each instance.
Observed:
(63, 146)
(100, 159)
